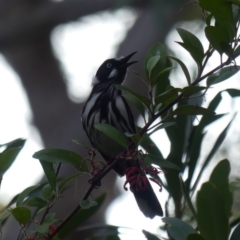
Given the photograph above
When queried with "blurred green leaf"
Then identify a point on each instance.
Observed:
(187, 197)
(162, 126)
(192, 44)
(219, 178)
(54, 155)
(50, 173)
(44, 227)
(140, 97)
(188, 91)
(156, 78)
(137, 103)
(25, 194)
(66, 181)
(233, 92)
(169, 94)
(81, 216)
(47, 192)
(160, 162)
(216, 146)
(192, 110)
(218, 39)
(222, 75)
(77, 141)
(150, 236)
(178, 229)
(19, 142)
(86, 204)
(21, 214)
(151, 64)
(195, 236)
(36, 202)
(212, 220)
(184, 68)
(7, 158)
(113, 133)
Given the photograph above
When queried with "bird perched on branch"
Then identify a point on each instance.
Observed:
(107, 105)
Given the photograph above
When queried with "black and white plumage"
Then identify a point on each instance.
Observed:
(107, 105)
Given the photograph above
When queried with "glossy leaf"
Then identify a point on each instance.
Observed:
(192, 44)
(160, 162)
(212, 220)
(7, 158)
(219, 178)
(113, 133)
(151, 64)
(21, 214)
(80, 217)
(192, 110)
(222, 75)
(178, 229)
(54, 155)
(25, 194)
(140, 97)
(184, 68)
(191, 90)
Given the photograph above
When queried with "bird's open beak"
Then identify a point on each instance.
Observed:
(124, 60)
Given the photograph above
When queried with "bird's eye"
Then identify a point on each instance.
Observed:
(109, 65)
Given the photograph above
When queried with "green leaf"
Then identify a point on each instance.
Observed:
(192, 44)
(222, 75)
(219, 178)
(156, 78)
(7, 157)
(44, 227)
(86, 204)
(162, 126)
(66, 180)
(36, 202)
(191, 90)
(19, 142)
(178, 229)
(219, 8)
(150, 236)
(47, 192)
(192, 110)
(160, 162)
(21, 214)
(25, 194)
(212, 220)
(80, 217)
(187, 197)
(184, 68)
(77, 141)
(169, 94)
(195, 236)
(50, 173)
(218, 39)
(233, 92)
(137, 103)
(151, 64)
(236, 233)
(54, 155)
(216, 146)
(113, 133)
(140, 97)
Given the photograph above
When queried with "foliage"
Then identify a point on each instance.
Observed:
(167, 107)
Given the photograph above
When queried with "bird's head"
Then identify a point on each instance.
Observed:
(113, 70)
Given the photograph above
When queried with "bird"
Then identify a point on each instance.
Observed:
(106, 104)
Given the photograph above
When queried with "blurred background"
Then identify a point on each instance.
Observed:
(50, 50)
